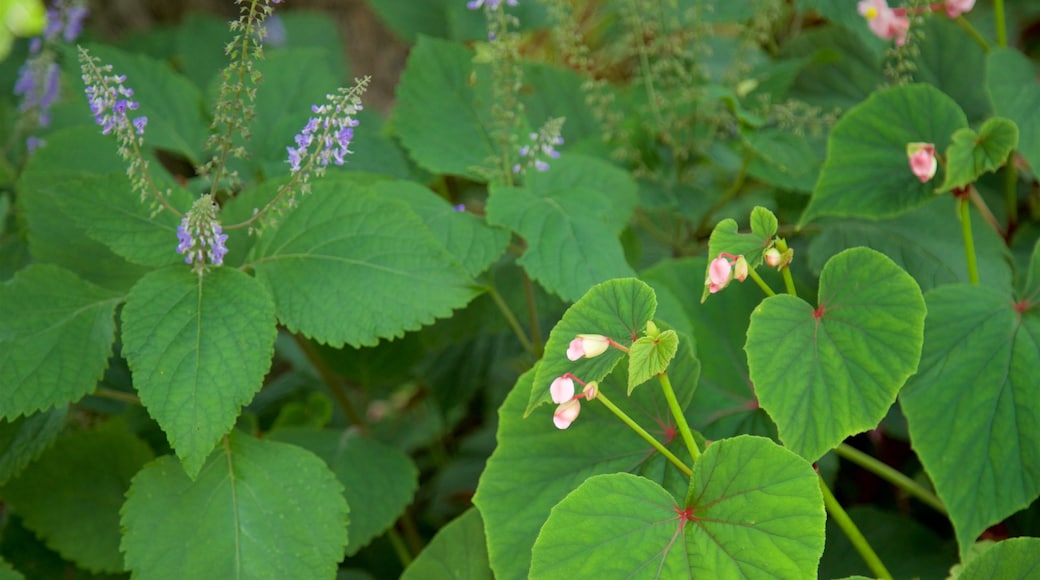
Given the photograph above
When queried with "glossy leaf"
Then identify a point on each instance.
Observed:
(570, 217)
(258, 509)
(378, 481)
(618, 309)
(755, 510)
(25, 438)
(199, 347)
(1012, 87)
(457, 552)
(78, 517)
(352, 266)
(829, 372)
(971, 154)
(56, 334)
(867, 173)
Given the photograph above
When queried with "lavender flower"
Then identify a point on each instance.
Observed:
(543, 145)
(330, 133)
(491, 4)
(200, 237)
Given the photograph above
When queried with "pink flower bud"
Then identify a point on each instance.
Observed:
(591, 390)
(719, 274)
(562, 390)
(566, 413)
(922, 160)
(883, 21)
(588, 346)
(772, 257)
(955, 8)
(740, 269)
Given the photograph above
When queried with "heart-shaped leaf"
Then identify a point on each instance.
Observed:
(971, 154)
(649, 357)
(828, 372)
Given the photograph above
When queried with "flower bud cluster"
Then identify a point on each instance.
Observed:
(562, 388)
(200, 237)
(326, 137)
(724, 269)
(542, 147)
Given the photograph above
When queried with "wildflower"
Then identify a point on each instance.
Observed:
(199, 237)
(588, 346)
(491, 4)
(332, 130)
(543, 146)
(922, 160)
(723, 269)
(772, 257)
(460, 207)
(274, 33)
(566, 413)
(562, 389)
(955, 8)
(740, 269)
(568, 404)
(885, 22)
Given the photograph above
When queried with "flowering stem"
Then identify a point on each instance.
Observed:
(1000, 21)
(761, 283)
(646, 436)
(890, 475)
(978, 38)
(848, 526)
(510, 318)
(964, 213)
(781, 244)
(680, 417)
(115, 395)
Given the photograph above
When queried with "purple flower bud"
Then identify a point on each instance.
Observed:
(200, 237)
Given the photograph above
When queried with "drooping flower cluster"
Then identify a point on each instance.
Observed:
(724, 269)
(542, 147)
(568, 403)
(894, 23)
(922, 160)
(326, 137)
(200, 237)
(38, 78)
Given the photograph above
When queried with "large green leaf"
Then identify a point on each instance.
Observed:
(844, 70)
(973, 153)
(945, 61)
(56, 334)
(78, 515)
(535, 465)
(867, 173)
(1013, 89)
(352, 266)
(1012, 558)
(378, 480)
(199, 347)
(258, 509)
(618, 309)
(973, 409)
(754, 510)
(436, 116)
(457, 552)
(570, 217)
(828, 372)
(25, 438)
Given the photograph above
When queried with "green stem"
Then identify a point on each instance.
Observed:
(106, 393)
(532, 316)
(511, 320)
(781, 244)
(761, 283)
(984, 211)
(978, 38)
(399, 548)
(331, 381)
(1001, 22)
(646, 436)
(680, 417)
(890, 475)
(848, 526)
(964, 213)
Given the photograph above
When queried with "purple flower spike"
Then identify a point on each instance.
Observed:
(200, 237)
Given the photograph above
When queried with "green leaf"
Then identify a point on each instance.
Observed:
(199, 347)
(826, 373)
(78, 517)
(784, 159)
(755, 511)
(379, 481)
(867, 173)
(972, 410)
(465, 235)
(107, 208)
(56, 334)
(258, 509)
(570, 217)
(1012, 558)
(535, 465)
(971, 154)
(950, 64)
(458, 552)
(649, 357)
(1013, 90)
(845, 68)
(436, 116)
(9, 573)
(618, 309)
(25, 438)
(932, 260)
(351, 266)
(726, 238)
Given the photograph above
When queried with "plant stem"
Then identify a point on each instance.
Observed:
(399, 548)
(781, 244)
(115, 395)
(890, 475)
(1000, 21)
(761, 283)
(978, 38)
(680, 418)
(332, 382)
(646, 436)
(964, 213)
(511, 320)
(987, 215)
(848, 526)
(1011, 194)
(532, 316)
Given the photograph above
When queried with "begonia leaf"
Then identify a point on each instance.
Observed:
(457, 552)
(1015, 93)
(971, 153)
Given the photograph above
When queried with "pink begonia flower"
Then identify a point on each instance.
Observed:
(590, 391)
(740, 269)
(772, 257)
(566, 413)
(719, 274)
(922, 160)
(588, 346)
(562, 390)
(955, 8)
(883, 21)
